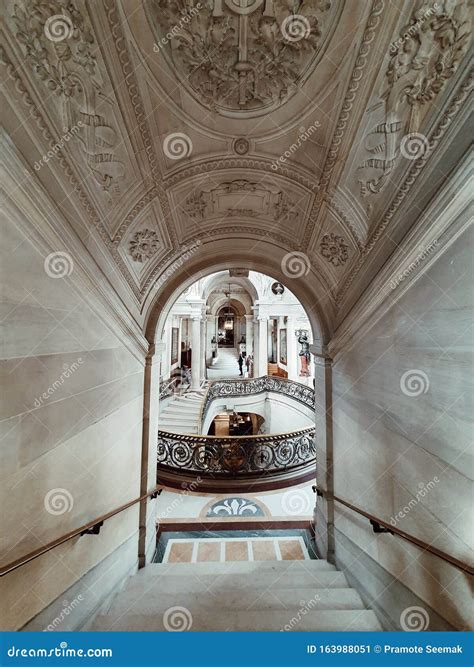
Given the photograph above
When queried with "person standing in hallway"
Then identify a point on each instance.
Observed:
(249, 365)
(241, 363)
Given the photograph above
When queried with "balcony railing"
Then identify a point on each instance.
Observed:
(252, 386)
(236, 456)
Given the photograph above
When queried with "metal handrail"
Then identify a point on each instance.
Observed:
(6, 569)
(401, 533)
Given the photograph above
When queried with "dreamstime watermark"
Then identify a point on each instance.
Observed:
(296, 502)
(67, 372)
(177, 619)
(61, 651)
(302, 611)
(412, 30)
(57, 147)
(305, 134)
(414, 382)
(424, 489)
(395, 282)
(414, 145)
(187, 489)
(295, 264)
(177, 146)
(58, 501)
(414, 619)
(64, 613)
(295, 28)
(58, 27)
(58, 264)
(186, 16)
(177, 263)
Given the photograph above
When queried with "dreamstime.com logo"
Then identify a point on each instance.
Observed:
(58, 27)
(64, 613)
(295, 28)
(177, 146)
(177, 619)
(58, 501)
(295, 264)
(58, 265)
(177, 263)
(414, 382)
(395, 282)
(185, 18)
(302, 611)
(414, 619)
(413, 29)
(305, 134)
(67, 372)
(57, 147)
(296, 502)
(424, 489)
(61, 651)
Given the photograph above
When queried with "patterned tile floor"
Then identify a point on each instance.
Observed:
(224, 546)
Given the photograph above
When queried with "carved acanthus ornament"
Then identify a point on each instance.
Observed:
(143, 245)
(424, 57)
(241, 198)
(60, 48)
(334, 249)
(240, 55)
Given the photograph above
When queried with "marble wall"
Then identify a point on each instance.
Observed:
(71, 429)
(402, 406)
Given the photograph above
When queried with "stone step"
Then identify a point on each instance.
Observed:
(244, 621)
(208, 584)
(251, 568)
(157, 602)
(178, 418)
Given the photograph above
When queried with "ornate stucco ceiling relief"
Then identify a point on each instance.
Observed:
(423, 57)
(63, 57)
(230, 200)
(241, 56)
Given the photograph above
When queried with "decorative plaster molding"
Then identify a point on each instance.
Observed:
(356, 77)
(405, 188)
(241, 59)
(143, 245)
(439, 226)
(334, 249)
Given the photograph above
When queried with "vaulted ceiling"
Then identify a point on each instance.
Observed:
(313, 128)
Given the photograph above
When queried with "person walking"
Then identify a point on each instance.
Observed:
(241, 363)
(249, 363)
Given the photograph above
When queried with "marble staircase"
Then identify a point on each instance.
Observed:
(304, 595)
(226, 365)
(181, 414)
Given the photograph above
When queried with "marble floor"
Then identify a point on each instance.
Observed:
(226, 546)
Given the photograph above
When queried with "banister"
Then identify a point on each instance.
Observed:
(6, 569)
(459, 564)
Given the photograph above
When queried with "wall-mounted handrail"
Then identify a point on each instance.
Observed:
(6, 569)
(401, 533)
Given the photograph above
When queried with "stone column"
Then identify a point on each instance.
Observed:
(292, 345)
(196, 351)
(203, 347)
(324, 510)
(262, 368)
(148, 507)
(249, 334)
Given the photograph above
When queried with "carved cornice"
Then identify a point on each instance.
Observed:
(222, 164)
(405, 188)
(356, 77)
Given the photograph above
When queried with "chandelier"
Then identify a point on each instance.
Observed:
(228, 322)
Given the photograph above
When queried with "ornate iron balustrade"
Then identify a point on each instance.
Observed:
(233, 456)
(224, 388)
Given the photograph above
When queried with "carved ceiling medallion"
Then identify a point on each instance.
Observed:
(143, 245)
(334, 249)
(241, 56)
